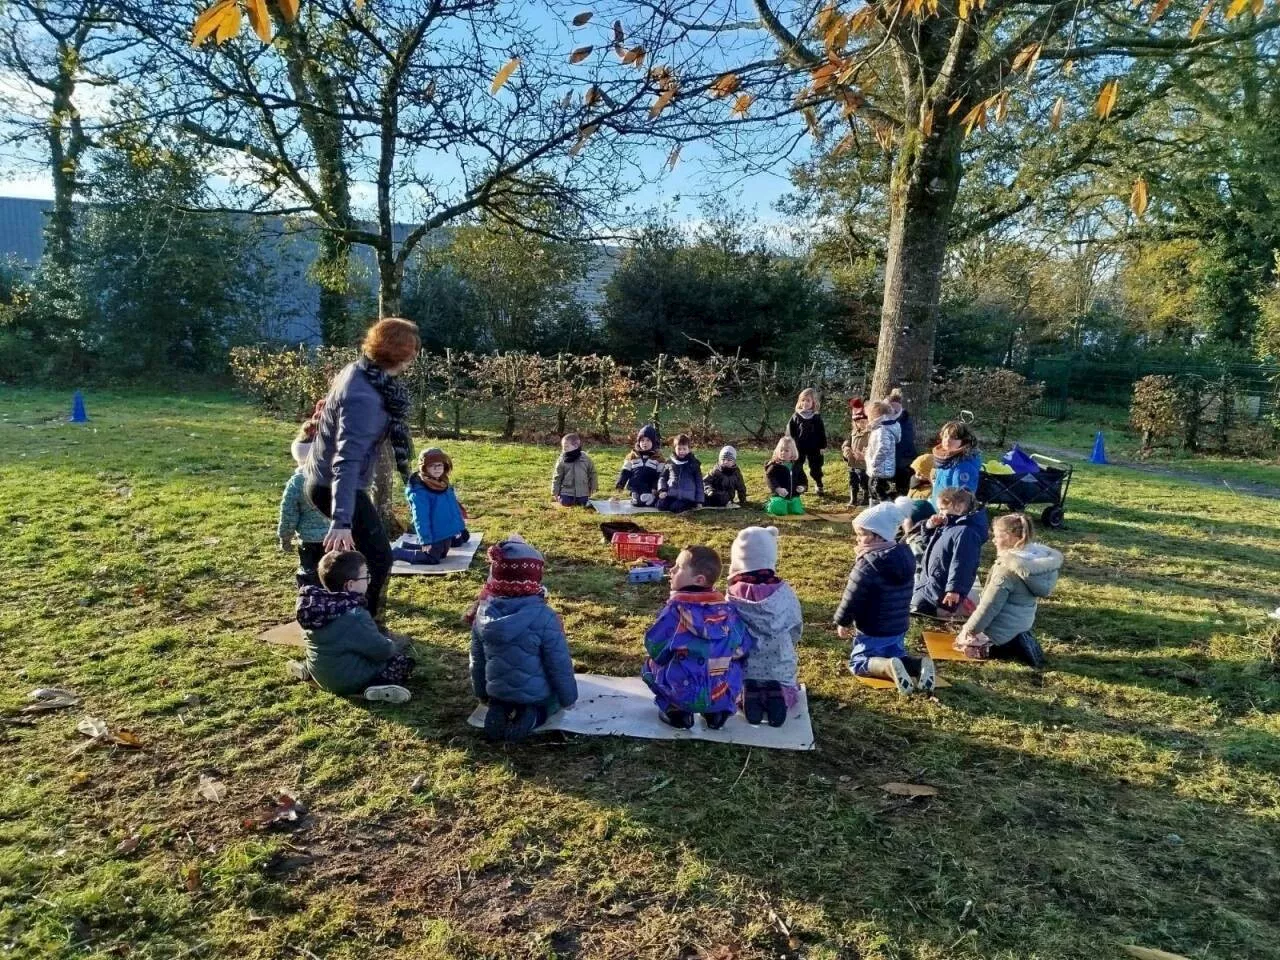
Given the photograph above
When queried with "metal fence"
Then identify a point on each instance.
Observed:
(1256, 387)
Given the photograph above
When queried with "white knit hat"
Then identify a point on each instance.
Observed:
(300, 449)
(728, 453)
(755, 548)
(883, 520)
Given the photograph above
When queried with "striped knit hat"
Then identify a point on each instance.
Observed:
(515, 569)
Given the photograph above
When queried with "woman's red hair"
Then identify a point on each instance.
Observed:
(391, 342)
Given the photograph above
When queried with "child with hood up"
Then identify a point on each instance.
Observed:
(877, 604)
(434, 508)
(573, 481)
(520, 662)
(346, 653)
(810, 434)
(854, 451)
(953, 540)
(725, 482)
(784, 476)
(1024, 573)
(642, 467)
(771, 611)
(680, 483)
(697, 647)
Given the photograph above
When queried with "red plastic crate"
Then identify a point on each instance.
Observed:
(635, 546)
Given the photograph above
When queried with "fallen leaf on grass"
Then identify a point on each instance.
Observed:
(234, 664)
(192, 700)
(94, 727)
(1147, 953)
(54, 703)
(52, 693)
(211, 789)
(284, 809)
(126, 738)
(418, 783)
(128, 844)
(191, 877)
(909, 789)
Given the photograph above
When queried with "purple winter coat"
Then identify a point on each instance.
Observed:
(697, 651)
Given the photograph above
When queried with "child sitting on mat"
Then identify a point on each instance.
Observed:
(1024, 573)
(953, 540)
(680, 482)
(771, 611)
(573, 482)
(298, 516)
(346, 653)
(437, 515)
(641, 468)
(877, 604)
(697, 647)
(520, 663)
(785, 479)
(725, 482)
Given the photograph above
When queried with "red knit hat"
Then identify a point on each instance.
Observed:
(515, 569)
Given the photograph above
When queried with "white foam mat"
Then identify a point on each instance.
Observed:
(458, 560)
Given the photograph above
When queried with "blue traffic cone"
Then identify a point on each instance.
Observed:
(1099, 450)
(77, 409)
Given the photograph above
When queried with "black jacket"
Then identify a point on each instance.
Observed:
(877, 598)
(810, 435)
(905, 451)
(726, 483)
(790, 478)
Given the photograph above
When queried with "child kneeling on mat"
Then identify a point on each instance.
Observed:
(697, 648)
(953, 540)
(1023, 574)
(437, 515)
(346, 653)
(573, 481)
(784, 476)
(680, 482)
(520, 663)
(771, 611)
(877, 604)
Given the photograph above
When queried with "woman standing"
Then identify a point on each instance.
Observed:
(366, 405)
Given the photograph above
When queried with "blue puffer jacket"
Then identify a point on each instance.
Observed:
(436, 515)
(682, 480)
(519, 652)
(877, 598)
(950, 560)
(960, 472)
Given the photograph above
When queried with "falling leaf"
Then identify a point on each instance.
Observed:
(211, 789)
(663, 101)
(725, 84)
(210, 22)
(1236, 8)
(504, 75)
(1158, 11)
(1107, 98)
(1055, 115)
(673, 157)
(1147, 953)
(288, 9)
(580, 54)
(128, 844)
(1138, 198)
(583, 136)
(811, 121)
(742, 104)
(1068, 68)
(259, 19)
(94, 727)
(634, 57)
(618, 34)
(1202, 19)
(191, 877)
(582, 19)
(926, 124)
(909, 789)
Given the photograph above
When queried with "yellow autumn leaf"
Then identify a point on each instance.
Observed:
(1107, 98)
(663, 101)
(1068, 67)
(1055, 115)
(580, 54)
(962, 11)
(288, 9)
(228, 25)
(864, 19)
(634, 57)
(955, 105)
(725, 84)
(582, 19)
(1202, 19)
(592, 96)
(208, 22)
(811, 121)
(1138, 198)
(1002, 107)
(504, 75)
(836, 35)
(259, 19)
(742, 104)
(1236, 8)
(973, 117)
(1158, 11)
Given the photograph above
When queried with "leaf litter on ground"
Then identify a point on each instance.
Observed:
(284, 809)
(211, 789)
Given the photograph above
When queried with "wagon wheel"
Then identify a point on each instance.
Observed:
(1052, 517)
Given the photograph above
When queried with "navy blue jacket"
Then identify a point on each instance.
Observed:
(519, 652)
(905, 451)
(950, 560)
(877, 598)
(682, 480)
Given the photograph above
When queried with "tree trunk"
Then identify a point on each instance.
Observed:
(66, 143)
(330, 273)
(922, 193)
(390, 282)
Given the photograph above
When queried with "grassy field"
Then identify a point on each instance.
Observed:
(1128, 794)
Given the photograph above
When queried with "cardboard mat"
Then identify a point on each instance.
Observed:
(878, 683)
(286, 635)
(458, 560)
(624, 707)
(941, 647)
(622, 508)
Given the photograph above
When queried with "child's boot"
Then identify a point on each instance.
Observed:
(680, 719)
(777, 507)
(928, 678)
(794, 506)
(1028, 650)
(753, 701)
(495, 722)
(775, 706)
(716, 719)
(387, 693)
(891, 668)
(522, 724)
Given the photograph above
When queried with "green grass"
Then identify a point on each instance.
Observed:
(1128, 794)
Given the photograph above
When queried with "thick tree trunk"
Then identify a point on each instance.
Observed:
(390, 284)
(922, 194)
(330, 272)
(66, 143)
